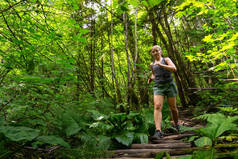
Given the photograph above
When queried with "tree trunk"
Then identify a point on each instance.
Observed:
(92, 58)
(143, 91)
(118, 98)
(131, 96)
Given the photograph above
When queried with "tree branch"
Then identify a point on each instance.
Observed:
(11, 6)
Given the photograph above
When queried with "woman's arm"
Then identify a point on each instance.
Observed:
(152, 77)
(170, 67)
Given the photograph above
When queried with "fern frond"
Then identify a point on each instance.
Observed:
(233, 118)
(202, 117)
(229, 109)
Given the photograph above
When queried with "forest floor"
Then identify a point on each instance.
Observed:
(173, 144)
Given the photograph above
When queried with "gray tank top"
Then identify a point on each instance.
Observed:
(162, 75)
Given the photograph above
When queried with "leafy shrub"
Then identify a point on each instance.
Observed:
(121, 127)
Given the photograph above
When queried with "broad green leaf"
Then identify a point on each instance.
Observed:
(118, 118)
(124, 6)
(72, 129)
(208, 154)
(53, 140)
(19, 133)
(143, 138)
(96, 115)
(185, 128)
(203, 141)
(154, 2)
(75, 5)
(84, 31)
(133, 2)
(104, 141)
(217, 125)
(126, 138)
(145, 3)
(71, 125)
(226, 125)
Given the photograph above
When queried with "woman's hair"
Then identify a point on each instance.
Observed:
(156, 47)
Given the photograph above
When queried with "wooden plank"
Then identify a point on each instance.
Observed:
(135, 154)
(174, 157)
(129, 158)
(161, 146)
(141, 150)
(140, 153)
(166, 141)
(177, 136)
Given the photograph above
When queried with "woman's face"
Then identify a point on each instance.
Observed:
(156, 53)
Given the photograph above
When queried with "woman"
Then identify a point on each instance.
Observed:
(164, 86)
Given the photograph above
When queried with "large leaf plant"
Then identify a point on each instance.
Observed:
(217, 124)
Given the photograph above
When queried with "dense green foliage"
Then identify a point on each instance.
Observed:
(73, 73)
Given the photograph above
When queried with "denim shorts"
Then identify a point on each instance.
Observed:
(165, 89)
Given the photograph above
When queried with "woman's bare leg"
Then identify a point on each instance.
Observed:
(173, 109)
(158, 105)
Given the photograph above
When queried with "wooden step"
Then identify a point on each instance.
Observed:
(138, 153)
(175, 137)
(171, 157)
(129, 158)
(143, 153)
(165, 141)
(161, 146)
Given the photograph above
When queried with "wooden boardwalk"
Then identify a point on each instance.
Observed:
(173, 144)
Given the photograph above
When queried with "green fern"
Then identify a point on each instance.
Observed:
(230, 110)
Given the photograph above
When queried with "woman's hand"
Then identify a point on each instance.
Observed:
(151, 78)
(170, 65)
(158, 63)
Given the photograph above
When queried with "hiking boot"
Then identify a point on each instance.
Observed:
(177, 127)
(158, 135)
(174, 129)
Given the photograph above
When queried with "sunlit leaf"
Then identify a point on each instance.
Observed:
(208, 38)
(203, 141)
